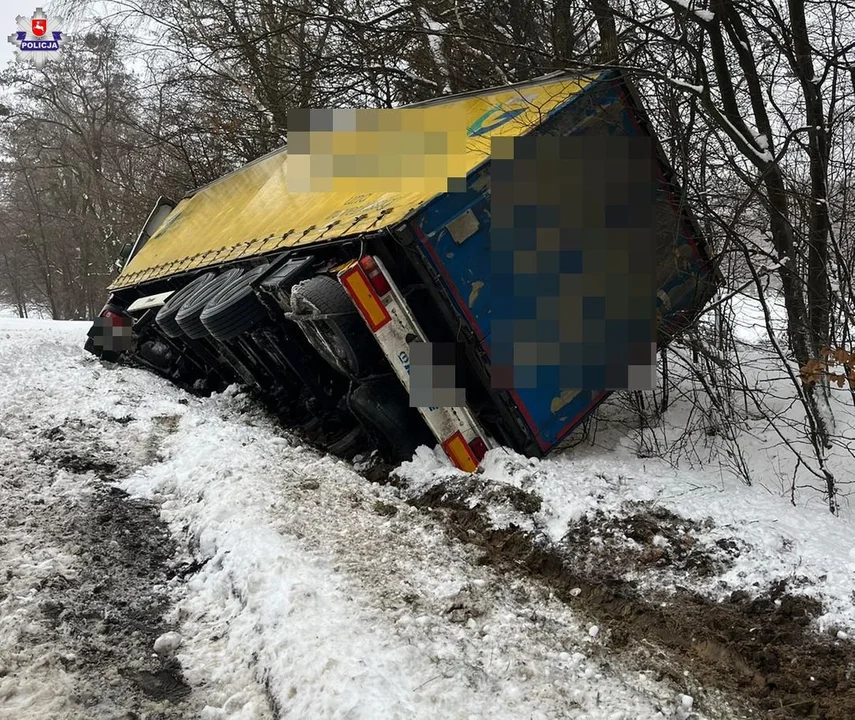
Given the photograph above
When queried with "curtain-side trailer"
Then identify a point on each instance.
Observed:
(338, 307)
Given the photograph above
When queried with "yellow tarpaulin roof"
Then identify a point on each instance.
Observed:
(251, 211)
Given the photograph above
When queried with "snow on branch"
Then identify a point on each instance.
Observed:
(704, 15)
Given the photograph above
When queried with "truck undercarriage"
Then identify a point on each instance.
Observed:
(287, 331)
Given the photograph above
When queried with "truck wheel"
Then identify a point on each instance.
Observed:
(343, 341)
(349, 443)
(383, 408)
(235, 308)
(156, 353)
(165, 317)
(191, 309)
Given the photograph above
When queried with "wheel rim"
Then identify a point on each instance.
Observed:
(327, 343)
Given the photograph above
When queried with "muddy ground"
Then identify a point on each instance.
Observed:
(760, 652)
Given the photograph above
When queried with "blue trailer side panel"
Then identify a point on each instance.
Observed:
(454, 235)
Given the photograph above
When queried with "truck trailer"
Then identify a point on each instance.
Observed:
(331, 305)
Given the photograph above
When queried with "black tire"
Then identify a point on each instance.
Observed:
(347, 444)
(156, 353)
(188, 317)
(383, 409)
(165, 317)
(235, 308)
(344, 341)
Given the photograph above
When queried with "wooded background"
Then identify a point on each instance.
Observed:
(754, 101)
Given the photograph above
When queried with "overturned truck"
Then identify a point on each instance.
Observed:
(327, 304)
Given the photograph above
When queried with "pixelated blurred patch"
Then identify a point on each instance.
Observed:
(572, 218)
(436, 378)
(607, 181)
(377, 150)
(112, 333)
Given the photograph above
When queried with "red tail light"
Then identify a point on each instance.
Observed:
(113, 318)
(478, 448)
(375, 275)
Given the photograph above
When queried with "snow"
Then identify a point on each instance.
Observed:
(332, 634)
(761, 152)
(682, 83)
(167, 643)
(749, 319)
(435, 33)
(416, 78)
(301, 598)
(705, 15)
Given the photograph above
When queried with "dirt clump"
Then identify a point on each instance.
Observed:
(649, 536)
(384, 509)
(463, 490)
(379, 472)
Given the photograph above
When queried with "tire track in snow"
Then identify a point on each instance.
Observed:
(85, 573)
(83, 569)
(337, 599)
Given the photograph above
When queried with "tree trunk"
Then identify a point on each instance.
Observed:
(608, 33)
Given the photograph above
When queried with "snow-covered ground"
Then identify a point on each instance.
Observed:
(295, 587)
(776, 541)
(279, 582)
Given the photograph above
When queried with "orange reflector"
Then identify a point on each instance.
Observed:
(458, 450)
(365, 297)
